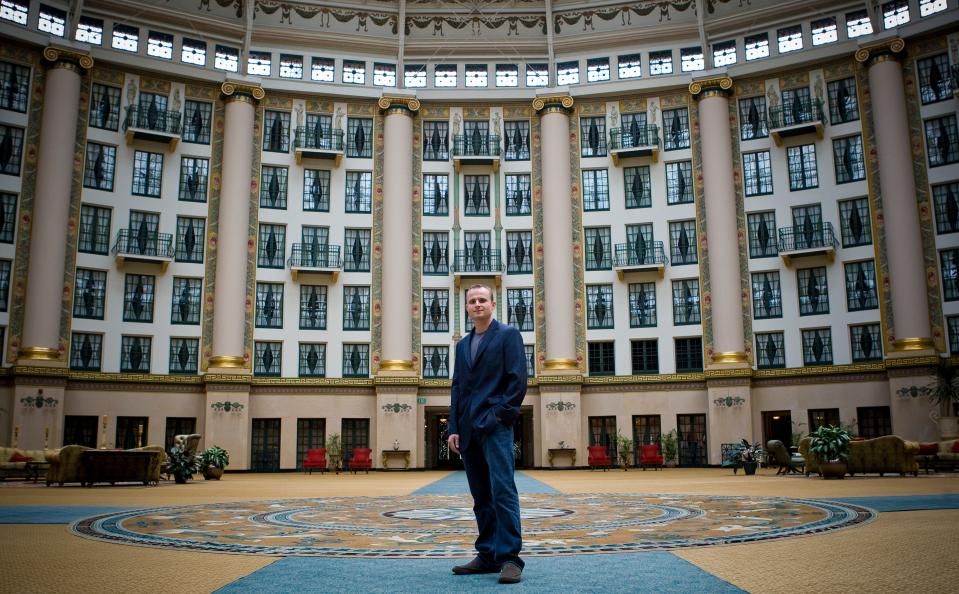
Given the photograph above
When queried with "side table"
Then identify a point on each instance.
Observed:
(385, 455)
(571, 452)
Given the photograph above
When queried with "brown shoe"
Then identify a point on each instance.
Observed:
(510, 574)
(477, 565)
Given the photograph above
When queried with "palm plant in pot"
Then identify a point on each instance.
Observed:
(182, 465)
(669, 448)
(830, 443)
(334, 451)
(212, 462)
(749, 456)
(624, 447)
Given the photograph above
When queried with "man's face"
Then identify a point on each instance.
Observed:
(479, 305)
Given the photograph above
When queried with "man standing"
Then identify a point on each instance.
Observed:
(489, 384)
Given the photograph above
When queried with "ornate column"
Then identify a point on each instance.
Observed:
(48, 237)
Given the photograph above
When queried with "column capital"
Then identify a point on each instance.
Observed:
(888, 49)
(548, 103)
(711, 86)
(66, 57)
(399, 104)
(242, 91)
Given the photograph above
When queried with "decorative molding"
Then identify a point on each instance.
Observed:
(729, 357)
(561, 365)
(37, 353)
(31, 371)
(708, 87)
(902, 345)
(576, 379)
(564, 101)
(409, 104)
(396, 365)
(62, 55)
(411, 380)
(396, 407)
(560, 406)
(39, 401)
(728, 373)
(877, 52)
(665, 378)
(227, 362)
(729, 401)
(227, 406)
(236, 89)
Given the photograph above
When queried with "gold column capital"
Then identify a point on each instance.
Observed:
(63, 57)
(547, 103)
(729, 357)
(396, 365)
(235, 90)
(561, 365)
(227, 362)
(399, 104)
(913, 344)
(888, 49)
(712, 86)
(37, 353)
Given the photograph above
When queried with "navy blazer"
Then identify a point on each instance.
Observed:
(490, 389)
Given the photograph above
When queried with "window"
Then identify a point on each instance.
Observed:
(356, 248)
(567, 73)
(291, 66)
(476, 198)
(356, 308)
(194, 174)
(436, 141)
(183, 355)
(94, 230)
(267, 358)
(848, 159)
(85, 351)
(599, 306)
(679, 182)
(770, 350)
(160, 45)
(895, 13)
(507, 75)
(138, 298)
(141, 237)
(11, 149)
(598, 248)
(817, 346)
(356, 360)
(186, 300)
(436, 195)
(802, 167)
(193, 52)
(935, 80)
(767, 295)
(518, 199)
(322, 70)
(724, 53)
(100, 166)
(5, 266)
(273, 185)
(757, 173)
(790, 39)
(824, 31)
(312, 361)
(689, 354)
(819, 417)
(843, 104)
(258, 63)
(854, 221)
(941, 141)
(436, 253)
(354, 72)
(384, 75)
(519, 309)
(644, 356)
(313, 307)
(517, 140)
(125, 38)
(797, 108)
(519, 252)
(686, 302)
(866, 341)
(682, 243)
(444, 76)
(601, 358)
(675, 128)
(949, 265)
(946, 200)
(752, 118)
(953, 325)
(530, 352)
(316, 190)
(858, 24)
(276, 131)
(359, 191)
(757, 46)
(477, 76)
(15, 89)
(359, 140)
(436, 306)
(597, 69)
(692, 59)
(813, 291)
(660, 62)
(105, 107)
(8, 218)
(436, 361)
(630, 66)
(190, 233)
(537, 75)
(88, 294)
(639, 248)
(874, 421)
(89, 30)
(642, 305)
(135, 352)
(638, 188)
(196, 121)
(271, 246)
(595, 189)
(414, 76)
(51, 20)
(269, 305)
(592, 136)
(928, 7)
(147, 173)
(226, 58)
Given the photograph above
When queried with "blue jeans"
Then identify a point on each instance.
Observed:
(489, 465)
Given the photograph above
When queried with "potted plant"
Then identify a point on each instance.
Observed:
(182, 465)
(624, 446)
(334, 451)
(212, 462)
(831, 444)
(944, 392)
(749, 456)
(669, 448)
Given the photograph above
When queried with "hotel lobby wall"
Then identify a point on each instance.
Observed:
(799, 399)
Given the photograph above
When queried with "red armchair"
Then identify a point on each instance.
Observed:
(649, 456)
(361, 460)
(598, 458)
(315, 460)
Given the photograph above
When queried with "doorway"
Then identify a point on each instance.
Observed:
(437, 452)
(691, 439)
(777, 424)
(602, 432)
(265, 445)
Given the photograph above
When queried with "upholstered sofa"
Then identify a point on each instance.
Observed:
(889, 453)
(946, 456)
(66, 466)
(13, 461)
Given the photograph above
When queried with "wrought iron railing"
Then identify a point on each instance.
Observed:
(476, 145)
(319, 255)
(322, 138)
(649, 253)
(808, 236)
(157, 120)
(478, 260)
(797, 111)
(633, 137)
(134, 242)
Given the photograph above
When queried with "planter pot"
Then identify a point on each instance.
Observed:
(948, 427)
(212, 473)
(750, 467)
(178, 479)
(833, 470)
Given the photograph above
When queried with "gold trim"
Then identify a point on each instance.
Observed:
(708, 87)
(913, 344)
(819, 370)
(396, 365)
(38, 354)
(56, 54)
(389, 102)
(564, 100)
(929, 360)
(561, 365)
(546, 380)
(729, 357)
(227, 362)
(666, 378)
(879, 52)
(231, 88)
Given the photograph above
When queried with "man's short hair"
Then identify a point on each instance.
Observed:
(489, 290)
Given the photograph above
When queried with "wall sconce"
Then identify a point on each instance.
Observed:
(560, 405)
(39, 401)
(226, 406)
(729, 401)
(397, 407)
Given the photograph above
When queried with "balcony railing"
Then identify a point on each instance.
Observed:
(795, 118)
(152, 124)
(314, 257)
(635, 141)
(143, 246)
(809, 239)
(478, 262)
(318, 143)
(476, 149)
(640, 257)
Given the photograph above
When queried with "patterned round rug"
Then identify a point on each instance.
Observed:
(425, 526)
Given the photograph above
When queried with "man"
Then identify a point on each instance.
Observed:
(489, 383)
